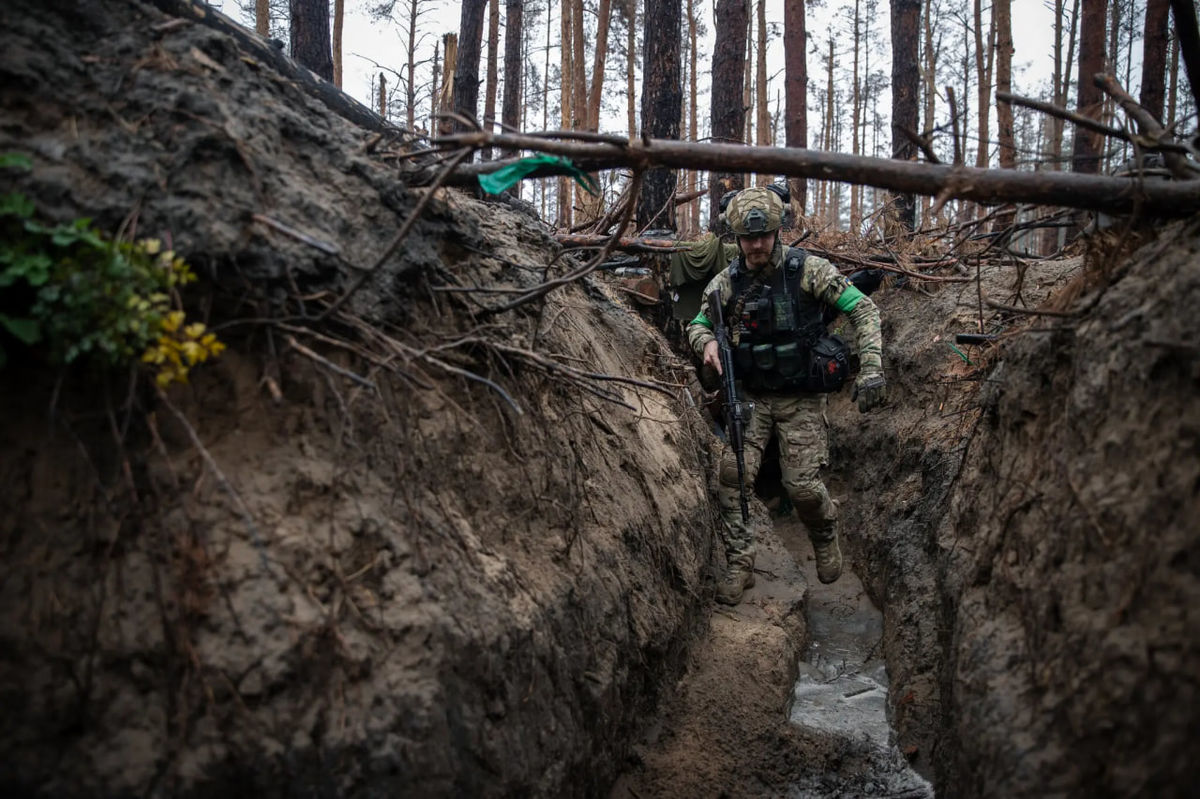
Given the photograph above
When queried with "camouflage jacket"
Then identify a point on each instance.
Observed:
(822, 280)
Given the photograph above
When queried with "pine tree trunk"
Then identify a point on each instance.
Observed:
(466, 65)
(433, 92)
(1154, 57)
(1173, 94)
(1085, 156)
(564, 193)
(661, 98)
(795, 64)
(579, 111)
(983, 63)
(929, 77)
(1002, 22)
(764, 115)
(514, 37)
(493, 72)
(728, 108)
(631, 66)
(410, 91)
(339, 14)
(584, 205)
(1108, 106)
(262, 17)
(855, 144)
(310, 36)
(693, 126)
(906, 16)
(383, 95)
(546, 100)
(747, 88)
(596, 94)
(828, 190)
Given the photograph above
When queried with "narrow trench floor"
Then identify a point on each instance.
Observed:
(841, 685)
(785, 696)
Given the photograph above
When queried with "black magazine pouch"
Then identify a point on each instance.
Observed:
(788, 360)
(743, 359)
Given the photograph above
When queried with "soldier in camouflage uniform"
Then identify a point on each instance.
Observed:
(792, 287)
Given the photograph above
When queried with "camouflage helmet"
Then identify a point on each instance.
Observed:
(755, 211)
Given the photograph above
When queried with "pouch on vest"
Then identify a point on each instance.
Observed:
(743, 359)
(764, 357)
(830, 364)
(787, 357)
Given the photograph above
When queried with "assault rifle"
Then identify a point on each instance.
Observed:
(737, 413)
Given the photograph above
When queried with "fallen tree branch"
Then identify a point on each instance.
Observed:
(1180, 167)
(1053, 110)
(625, 243)
(987, 186)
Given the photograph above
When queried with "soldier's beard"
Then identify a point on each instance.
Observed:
(759, 258)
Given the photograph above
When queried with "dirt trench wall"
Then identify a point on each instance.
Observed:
(407, 589)
(1073, 549)
(1028, 524)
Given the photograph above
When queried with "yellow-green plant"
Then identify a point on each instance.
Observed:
(80, 293)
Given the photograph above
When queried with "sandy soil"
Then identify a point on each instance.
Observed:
(483, 572)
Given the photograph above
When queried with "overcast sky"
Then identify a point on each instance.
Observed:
(367, 42)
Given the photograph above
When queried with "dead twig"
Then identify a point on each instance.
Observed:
(1030, 311)
(333, 367)
(324, 246)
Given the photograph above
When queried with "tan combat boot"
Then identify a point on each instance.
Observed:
(737, 579)
(829, 559)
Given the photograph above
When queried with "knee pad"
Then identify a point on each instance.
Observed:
(807, 495)
(728, 473)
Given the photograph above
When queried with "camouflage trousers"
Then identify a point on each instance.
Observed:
(802, 429)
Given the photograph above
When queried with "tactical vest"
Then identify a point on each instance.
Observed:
(782, 343)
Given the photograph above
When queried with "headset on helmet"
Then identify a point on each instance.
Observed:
(756, 210)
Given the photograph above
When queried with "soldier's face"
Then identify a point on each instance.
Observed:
(757, 249)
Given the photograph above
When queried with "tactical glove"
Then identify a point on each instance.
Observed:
(870, 390)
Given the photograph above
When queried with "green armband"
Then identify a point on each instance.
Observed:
(849, 298)
(702, 320)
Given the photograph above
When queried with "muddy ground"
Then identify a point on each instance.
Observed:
(474, 569)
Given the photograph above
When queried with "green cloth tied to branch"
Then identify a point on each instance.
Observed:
(508, 176)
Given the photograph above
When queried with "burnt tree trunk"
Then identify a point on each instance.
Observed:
(662, 100)
(310, 36)
(795, 83)
(466, 65)
(728, 109)
(906, 16)
(511, 109)
(1187, 32)
(1154, 58)
(1085, 157)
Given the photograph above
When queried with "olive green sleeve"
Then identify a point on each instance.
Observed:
(700, 329)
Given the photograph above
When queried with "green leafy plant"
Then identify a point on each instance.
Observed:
(81, 293)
